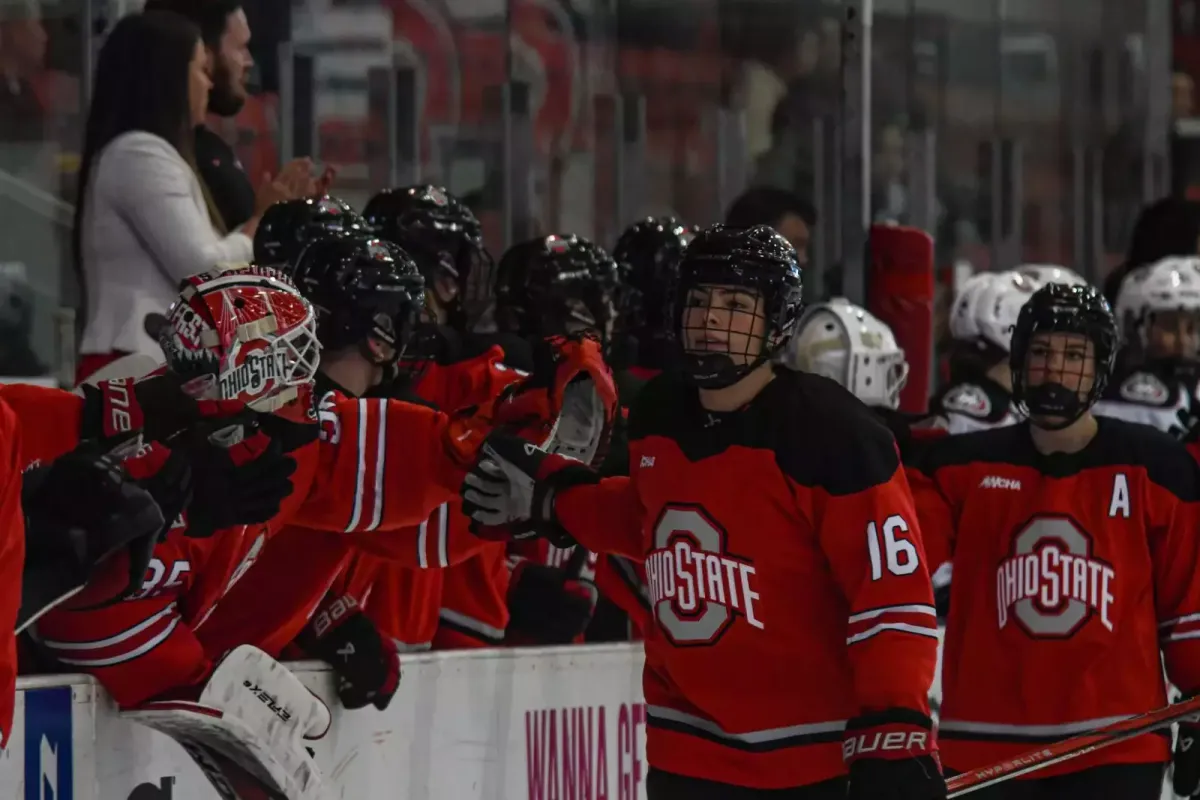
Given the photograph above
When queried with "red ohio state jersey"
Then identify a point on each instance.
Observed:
(12, 556)
(784, 566)
(1071, 571)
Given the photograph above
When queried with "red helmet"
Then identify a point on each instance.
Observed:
(243, 334)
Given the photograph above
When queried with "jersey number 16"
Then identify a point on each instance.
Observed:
(899, 554)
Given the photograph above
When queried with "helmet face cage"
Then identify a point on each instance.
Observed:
(246, 335)
(737, 302)
(1059, 400)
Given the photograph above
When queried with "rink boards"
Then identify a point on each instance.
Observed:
(527, 724)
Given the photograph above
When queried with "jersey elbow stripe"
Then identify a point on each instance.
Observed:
(124, 646)
(917, 619)
(441, 540)
(1180, 628)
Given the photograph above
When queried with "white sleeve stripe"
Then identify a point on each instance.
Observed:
(128, 633)
(1180, 620)
(380, 463)
(142, 649)
(422, 543)
(360, 479)
(903, 609)
(892, 626)
(443, 513)
(1178, 637)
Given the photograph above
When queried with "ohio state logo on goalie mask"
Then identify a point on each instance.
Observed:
(1051, 583)
(259, 370)
(696, 587)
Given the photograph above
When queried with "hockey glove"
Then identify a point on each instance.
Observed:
(509, 491)
(558, 362)
(1186, 759)
(366, 663)
(156, 407)
(235, 483)
(548, 605)
(80, 511)
(891, 755)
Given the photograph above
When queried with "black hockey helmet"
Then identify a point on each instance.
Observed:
(554, 285)
(729, 280)
(647, 255)
(445, 239)
(1066, 309)
(288, 226)
(362, 288)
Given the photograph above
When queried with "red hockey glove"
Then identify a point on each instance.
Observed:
(547, 605)
(366, 663)
(156, 407)
(558, 362)
(892, 756)
(510, 489)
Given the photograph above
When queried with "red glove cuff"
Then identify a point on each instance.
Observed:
(121, 413)
(332, 613)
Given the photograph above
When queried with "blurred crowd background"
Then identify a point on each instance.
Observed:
(1014, 131)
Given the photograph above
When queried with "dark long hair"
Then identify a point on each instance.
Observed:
(141, 85)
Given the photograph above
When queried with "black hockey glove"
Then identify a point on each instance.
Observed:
(892, 756)
(1186, 759)
(547, 604)
(80, 511)
(366, 663)
(236, 481)
(509, 491)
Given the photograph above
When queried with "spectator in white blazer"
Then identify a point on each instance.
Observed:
(144, 220)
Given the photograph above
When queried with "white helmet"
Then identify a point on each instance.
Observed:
(999, 305)
(1172, 284)
(850, 345)
(1051, 273)
(964, 317)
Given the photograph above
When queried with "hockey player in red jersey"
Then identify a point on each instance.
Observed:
(245, 334)
(545, 287)
(61, 525)
(794, 637)
(1074, 543)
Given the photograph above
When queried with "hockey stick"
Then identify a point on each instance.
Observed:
(1073, 747)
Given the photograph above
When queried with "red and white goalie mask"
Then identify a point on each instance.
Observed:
(245, 334)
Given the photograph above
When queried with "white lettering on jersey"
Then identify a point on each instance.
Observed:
(647, 461)
(331, 423)
(695, 589)
(1051, 583)
(153, 583)
(1000, 482)
(1120, 497)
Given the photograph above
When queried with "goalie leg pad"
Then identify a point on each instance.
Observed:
(257, 714)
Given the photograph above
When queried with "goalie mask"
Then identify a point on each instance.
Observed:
(245, 334)
(850, 345)
(737, 302)
(288, 226)
(1063, 349)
